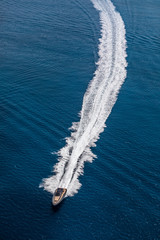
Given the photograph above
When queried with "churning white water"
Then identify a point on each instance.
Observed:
(98, 102)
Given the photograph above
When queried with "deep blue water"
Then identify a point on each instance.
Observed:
(48, 52)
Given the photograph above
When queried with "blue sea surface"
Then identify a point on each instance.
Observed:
(48, 52)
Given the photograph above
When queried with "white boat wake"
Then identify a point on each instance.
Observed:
(98, 102)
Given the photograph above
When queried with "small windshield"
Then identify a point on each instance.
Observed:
(59, 192)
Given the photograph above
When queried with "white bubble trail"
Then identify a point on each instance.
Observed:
(98, 102)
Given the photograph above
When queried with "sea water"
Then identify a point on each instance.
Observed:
(50, 52)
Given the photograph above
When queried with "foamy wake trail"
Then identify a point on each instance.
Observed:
(98, 102)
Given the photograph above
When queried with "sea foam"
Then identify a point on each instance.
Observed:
(98, 102)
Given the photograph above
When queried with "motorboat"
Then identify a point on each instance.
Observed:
(58, 196)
